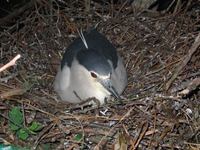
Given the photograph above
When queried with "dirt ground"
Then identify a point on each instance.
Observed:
(161, 104)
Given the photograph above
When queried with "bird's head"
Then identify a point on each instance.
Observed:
(98, 70)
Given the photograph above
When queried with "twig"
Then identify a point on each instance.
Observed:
(123, 117)
(11, 63)
(160, 69)
(124, 4)
(144, 130)
(191, 87)
(9, 18)
(168, 97)
(42, 135)
(12, 92)
(183, 63)
(5, 79)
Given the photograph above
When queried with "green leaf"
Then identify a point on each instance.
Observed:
(78, 137)
(14, 127)
(35, 126)
(22, 134)
(16, 118)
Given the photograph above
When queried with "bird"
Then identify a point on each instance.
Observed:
(90, 68)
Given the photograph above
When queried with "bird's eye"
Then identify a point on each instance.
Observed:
(94, 75)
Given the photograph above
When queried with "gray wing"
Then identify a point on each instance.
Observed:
(119, 76)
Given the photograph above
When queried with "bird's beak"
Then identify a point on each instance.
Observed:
(108, 85)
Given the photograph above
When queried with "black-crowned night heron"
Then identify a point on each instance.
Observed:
(90, 68)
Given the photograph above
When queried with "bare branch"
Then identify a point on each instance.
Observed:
(183, 63)
(11, 63)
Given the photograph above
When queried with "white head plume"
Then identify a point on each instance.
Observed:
(83, 38)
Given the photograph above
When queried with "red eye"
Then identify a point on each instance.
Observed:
(94, 75)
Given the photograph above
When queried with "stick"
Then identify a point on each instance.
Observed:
(193, 85)
(11, 63)
(183, 63)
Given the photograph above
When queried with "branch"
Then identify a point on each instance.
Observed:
(183, 63)
(193, 85)
(11, 63)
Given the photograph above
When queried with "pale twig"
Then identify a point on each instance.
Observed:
(193, 85)
(11, 63)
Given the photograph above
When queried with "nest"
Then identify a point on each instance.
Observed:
(161, 106)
